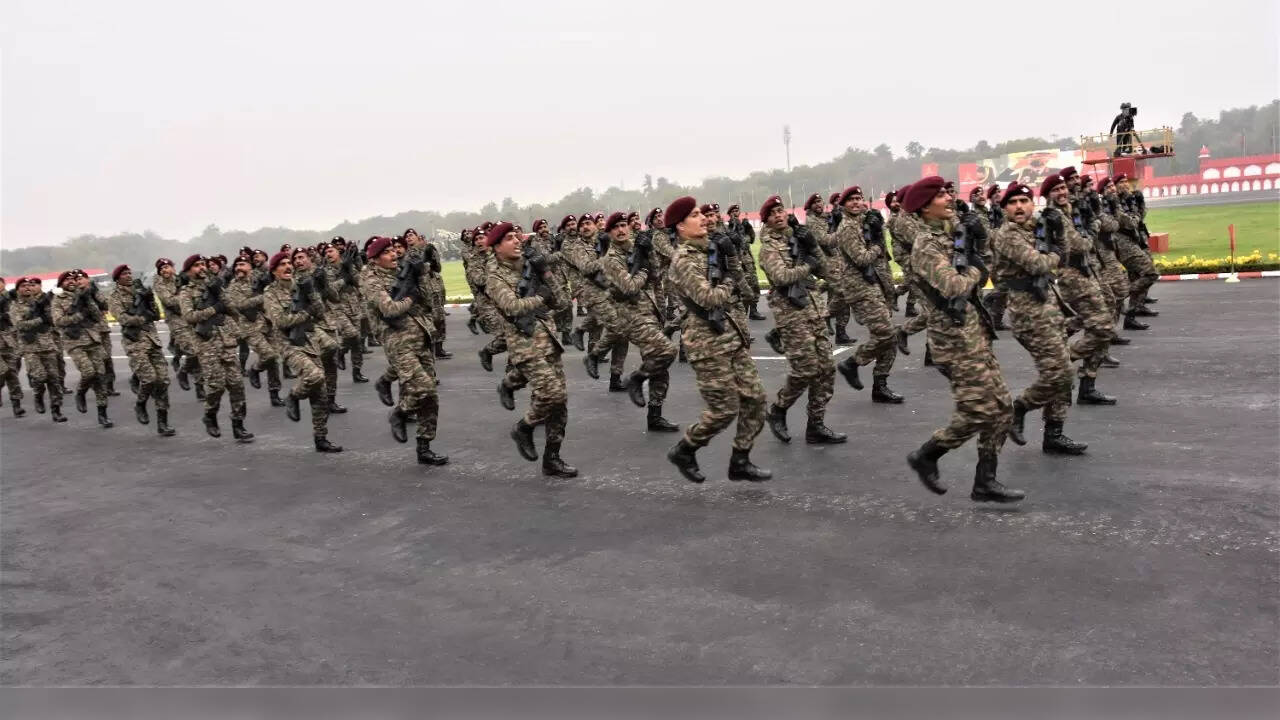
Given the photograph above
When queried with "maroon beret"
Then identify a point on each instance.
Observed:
(707, 209)
(584, 218)
(1103, 183)
(614, 221)
(494, 235)
(191, 260)
(246, 250)
(1086, 179)
(922, 192)
(649, 219)
(1068, 171)
(277, 259)
(375, 247)
(902, 191)
(812, 199)
(566, 220)
(976, 190)
(834, 197)
(633, 215)
(889, 197)
(993, 191)
(599, 217)
(1119, 177)
(484, 226)
(538, 223)
(731, 209)
(161, 262)
(949, 186)
(1049, 184)
(115, 274)
(242, 259)
(285, 247)
(66, 274)
(849, 192)
(1013, 191)
(768, 206)
(678, 210)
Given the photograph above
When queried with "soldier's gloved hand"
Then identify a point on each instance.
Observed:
(973, 227)
(814, 263)
(547, 293)
(804, 237)
(537, 261)
(220, 307)
(962, 207)
(724, 244)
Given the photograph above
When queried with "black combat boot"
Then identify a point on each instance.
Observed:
(928, 355)
(199, 390)
(657, 423)
(566, 338)
(162, 424)
(1120, 340)
(576, 338)
(774, 338)
(754, 312)
(842, 337)
(1144, 311)
(553, 466)
(426, 456)
(881, 393)
(55, 412)
(1089, 394)
(17, 407)
(486, 359)
(38, 391)
(275, 398)
(1055, 443)
(1017, 429)
(103, 420)
(292, 409)
(176, 362)
(82, 404)
(383, 388)
(441, 352)
(335, 408)
(398, 429)
(184, 380)
(109, 381)
(592, 365)
(634, 387)
(986, 488)
(903, 347)
(684, 457)
(211, 424)
(817, 433)
(522, 433)
(340, 358)
(140, 411)
(741, 467)
(924, 460)
(777, 419)
(506, 395)
(238, 432)
(471, 325)
(357, 376)
(242, 354)
(1131, 323)
(682, 356)
(1109, 362)
(134, 384)
(911, 308)
(324, 446)
(254, 373)
(616, 384)
(1148, 300)
(373, 342)
(849, 369)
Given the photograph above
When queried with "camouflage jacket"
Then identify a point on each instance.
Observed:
(936, 278)
(633, 295)
(187, 298)
(245, 307)
(34, 335)
(77, 327)
(348, 299)
(167, 293)
(120, 303)
(503, 285)
(580, 256)
(322, 293)
(783, 270)
(406, 320)
(277, 303)
(1018, 261)
(688, 276)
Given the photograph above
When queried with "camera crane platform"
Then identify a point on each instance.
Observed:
(1125, 157)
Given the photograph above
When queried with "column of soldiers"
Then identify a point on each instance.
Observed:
(1078, 266)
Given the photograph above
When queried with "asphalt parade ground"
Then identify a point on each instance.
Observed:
(127, 559)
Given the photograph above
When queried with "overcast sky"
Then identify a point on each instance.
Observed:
(127, 116)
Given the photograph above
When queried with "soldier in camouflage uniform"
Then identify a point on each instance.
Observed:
(1133, 253)
(550, 246)
(1079, 288)
(215, 346)
(142, 346)
(866, 298)
(792, 262)
(76, 315)
(102, 331)
(526, 314)
(703, 276)
(1023, 259)
(583, 255)
(996, 300)
(628, 271)
(181, 339)
(901, 233)
(10, 357)
(741, 228)
(947, 281)
(478, 277)
(250, 325)
(342, 275)
(31, 313)
(432, 285)
(326, 332)
(1114, 276)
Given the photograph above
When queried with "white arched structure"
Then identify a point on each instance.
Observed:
(1251, 170)
(1211, 174)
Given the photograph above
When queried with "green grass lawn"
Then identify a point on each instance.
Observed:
(1202, 230)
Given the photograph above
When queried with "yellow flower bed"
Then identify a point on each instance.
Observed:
(1187, 264)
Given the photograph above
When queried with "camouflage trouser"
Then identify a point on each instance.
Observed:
(488, 317)
(437, 314)
(310, 384)
(347, 330)
(108, 366)
(812, 368)
(1093, 315)
(731, 388)
(42, 372)
(564, 316)
(1142, 272)
(548, 394)
(412, 357)
(221, 369)
(10, 361)
(983, 405)
(607, 334)
(61, 358)
(88, 360)
(268, 356)
(1117, 279)
(656, 353)
(870, 310)
(146, 362)
(750, 286)
(838, 300)
(1044, 337)
(184, 338)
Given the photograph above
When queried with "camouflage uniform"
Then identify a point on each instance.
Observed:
(803, 330)
(838, 300)
(10, 355)
(723, 369)
(1142, 272)
(325, 328)
(639, 315)
(866, 299)
(552, 247)
(664, 249)
(103, 332)
(1080, 290)
(1114, 275)
(35, 343)
(142, 345)
(304, 359)
(406, 326)
(602, 322)
(901, 232)
(750, 278)
(180, 333)
(83, 343)
(249, 324)
(217, 352)
(342, 308)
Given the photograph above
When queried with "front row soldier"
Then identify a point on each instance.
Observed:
(137, 317)
(526, 295)
(947, 278)
(204, 309)
(76, 314)
(1132, 250)
(10, 359)
(32, 315)
(702, 277)
(1028, 250)
(629, 270)
(792, 262)
(404, 325)
(245, 300)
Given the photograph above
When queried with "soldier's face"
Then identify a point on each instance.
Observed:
(694, 226)
(198, 270)
(259, 258)
(333, 254)
(508, 247)
(71, 284)
(853, 204)
(29, 290)
(939, 208)
(166, 271)
(587, 228)
(301, 261)
(386, 259)
(635, 224)
(1019, 208)
(1058, 195)
(777, 217)
(125, 278)
(82, 281)
(1122, 186)
(243, 268)
(733, 215)
(1073, 182)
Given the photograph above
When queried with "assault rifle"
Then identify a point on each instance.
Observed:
(1135, 205)
(144, 306)
(211, 298)
(408, 276)
(301, 303)
(803, 250)
(532, 285)
(641, 249)
(348, 267)
(717, 271)
(602, 247)
(41, 309)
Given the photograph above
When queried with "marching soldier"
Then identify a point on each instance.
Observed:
(325, 334)
(628, 270)
(1114, 276)
(946, 279)
(137, 318)
(1028, 252)
(550, 246)
(203, 308)
(602, 321)
(1132, 250)
(76, 315)
(420, 249)
(342, 274)
(739, 228)
(901, 234)
(10, 354)
(525, 314)
(866, 297)
(249, 323)
(703, 277)
(103, 333)
(181, 340)
(478, 276)
(31, 313)
(792, 261)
